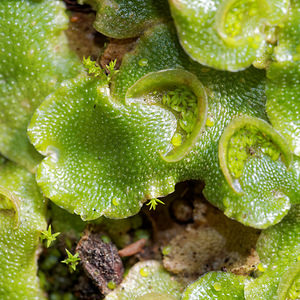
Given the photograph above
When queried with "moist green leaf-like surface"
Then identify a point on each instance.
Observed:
(104, 155)
(225, 90)
(283, 85)
(20, 228)
(118, 161)
(159, 49)
(34, 60)
(125, 19)
(247, 137)
(283, 103)
(225, 35)
(216, 285)
(279, 250)
(145, 281)
(289, 287)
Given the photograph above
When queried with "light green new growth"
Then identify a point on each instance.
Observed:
(49, 236)
(93, 68)
(166, 250)
(111, 69)
(72, 260)
(153, 203)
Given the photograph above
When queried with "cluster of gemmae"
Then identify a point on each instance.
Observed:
(209, 92)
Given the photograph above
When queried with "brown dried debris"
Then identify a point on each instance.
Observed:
(211, 242)
(73, 5)
(239, 238)
(116, 49)
(100, 261)
(83, 39)
(133, 248)
(182, 210)
(246, 265)
(195, 252)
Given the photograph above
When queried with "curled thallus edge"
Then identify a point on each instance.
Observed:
(239, 123)
(15, 202)
(265, 9)
(173, 77)
(287, 280)
(220, 21)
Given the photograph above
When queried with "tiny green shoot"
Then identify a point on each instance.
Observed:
(72, 260)
(94, 68)
(49, 236)
(153, 203)
(111, 69)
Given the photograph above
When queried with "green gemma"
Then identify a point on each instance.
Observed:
(247, 137)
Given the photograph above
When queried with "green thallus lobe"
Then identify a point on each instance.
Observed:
(21, 225)
(35, 59)
(216, 285)
(250, 142)
(230, 34)
(246, 137)
(289, 286)
(145, 281)
(129, 138)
